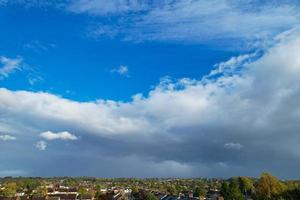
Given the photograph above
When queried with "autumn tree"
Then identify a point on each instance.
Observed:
(268, 187)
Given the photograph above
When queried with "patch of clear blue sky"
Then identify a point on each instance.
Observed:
(83, 65)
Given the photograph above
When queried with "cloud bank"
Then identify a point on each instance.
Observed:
(242, 121)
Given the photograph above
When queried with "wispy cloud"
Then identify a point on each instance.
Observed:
(121, 70)
(48, 135)
(233, 65)
(34, 78)
(9, 66)
(41, 145)
(104, 7)
(242, 24)
(248, 23)
(35, 3)
(7, 137)
(232, 145)
(38, 46)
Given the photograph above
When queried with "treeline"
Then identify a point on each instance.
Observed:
(267, 187)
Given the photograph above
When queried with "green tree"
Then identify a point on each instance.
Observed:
(225, 190)
(150, 196)
(135, 189)
(10, 189)
(98, 191)
(234, 192)
(201, 190)
(82, 191)
(291, 194)
(172, 190)
(42, 190)
(246, 185)
(30, 185)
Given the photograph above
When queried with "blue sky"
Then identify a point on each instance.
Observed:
(144, 88)
(45, 39)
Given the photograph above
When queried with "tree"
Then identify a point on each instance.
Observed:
(246, 185)
(42, 189)
(135, 190)
(231, 191)
(150, 196)
(98, 191)
(82, 191)
(291, 194)
(225, 190)
(268, 187)
(10, 189)
(234, 191)
(172, 190)
(30, 185)
(201, 190)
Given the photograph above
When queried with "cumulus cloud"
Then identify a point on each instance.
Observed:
(41, 145)
(7, 137)
(48, 135)
(9, 65)
(185, 123)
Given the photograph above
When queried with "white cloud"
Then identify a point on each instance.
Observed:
(9, 65)
(252, 22)
(33, 79)
(234, 23)
(231, 145)
(41, 145)
(38, 46)
(189, 20)
(249, 23)
(103, 7)
(48, 135)
(122, 70)
(186, 121)
(7, 137)
(233, 64)
(34, 3)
